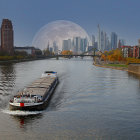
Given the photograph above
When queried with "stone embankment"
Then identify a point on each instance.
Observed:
(117, 68)
(133, 67)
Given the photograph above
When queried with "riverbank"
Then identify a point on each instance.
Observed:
(133, 67)
(112, 67)
(20, 60)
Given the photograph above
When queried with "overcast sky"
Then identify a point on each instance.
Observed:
(28, 16)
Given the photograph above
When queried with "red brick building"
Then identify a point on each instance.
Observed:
(7, 39)
(131, 51)
(136, 52)
(127, 51)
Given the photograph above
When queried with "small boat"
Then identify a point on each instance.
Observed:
(37, 95)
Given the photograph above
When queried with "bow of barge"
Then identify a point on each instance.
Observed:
(37, 95)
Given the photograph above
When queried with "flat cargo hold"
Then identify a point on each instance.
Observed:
(40, 86)
(36, 95)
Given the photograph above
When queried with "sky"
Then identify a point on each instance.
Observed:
(28, 16)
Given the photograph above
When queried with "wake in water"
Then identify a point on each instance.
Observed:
(21, 113)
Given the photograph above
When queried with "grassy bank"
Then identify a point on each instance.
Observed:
(117, 65)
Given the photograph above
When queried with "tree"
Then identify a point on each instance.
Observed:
(113, 55)
(66, 52)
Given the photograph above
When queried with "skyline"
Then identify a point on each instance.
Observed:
(57, 31)
(113, 16)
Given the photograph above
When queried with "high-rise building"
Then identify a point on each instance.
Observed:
(139, 42)
(85, 45)
(51, 49)
(104, 41)
(102, 47)
(96, 45)
(121, 42)
(76, 44)
(48, 46)
(99, 38)
(74, 49)
(55, 47)
(66, 44)
(7, 38)
(107, 48)
(114, 40)
(69, 44)
(93, 40)
(82, 45)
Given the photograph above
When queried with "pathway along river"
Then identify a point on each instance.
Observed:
(89, 103)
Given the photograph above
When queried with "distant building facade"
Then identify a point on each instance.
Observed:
(114, 41)
(7, 36)
(121, 42)
(55, 47)
(136, 52)
(127, 51)
(77, 45)
(131, 51)
(28, 50)
(66, 44)
(93, 40)
(139, 42)
(103, 41)
(99, 38)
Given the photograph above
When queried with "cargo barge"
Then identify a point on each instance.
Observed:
(37, 95)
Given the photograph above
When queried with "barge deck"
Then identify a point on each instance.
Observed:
(37, 95)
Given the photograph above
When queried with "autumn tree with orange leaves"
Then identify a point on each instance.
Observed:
(66, 52)
(113, 55)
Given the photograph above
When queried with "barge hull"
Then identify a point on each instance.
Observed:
(39, 107)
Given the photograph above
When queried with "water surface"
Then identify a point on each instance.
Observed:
(89, 103)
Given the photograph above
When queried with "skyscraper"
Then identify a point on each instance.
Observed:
(93, 40)
(69, 44)
(7, 41)
(66, 44)
(86, 44)
(139, 42)
(77, 44)
(114, 40)
(105, 41)
(107, 48)
(99, 38)
(55, 47)
(102, 41)
(121, 43)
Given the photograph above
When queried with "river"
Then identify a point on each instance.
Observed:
(89, 102)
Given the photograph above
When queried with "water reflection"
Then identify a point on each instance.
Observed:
(134, 76)
(7, 82)
(24, 121)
